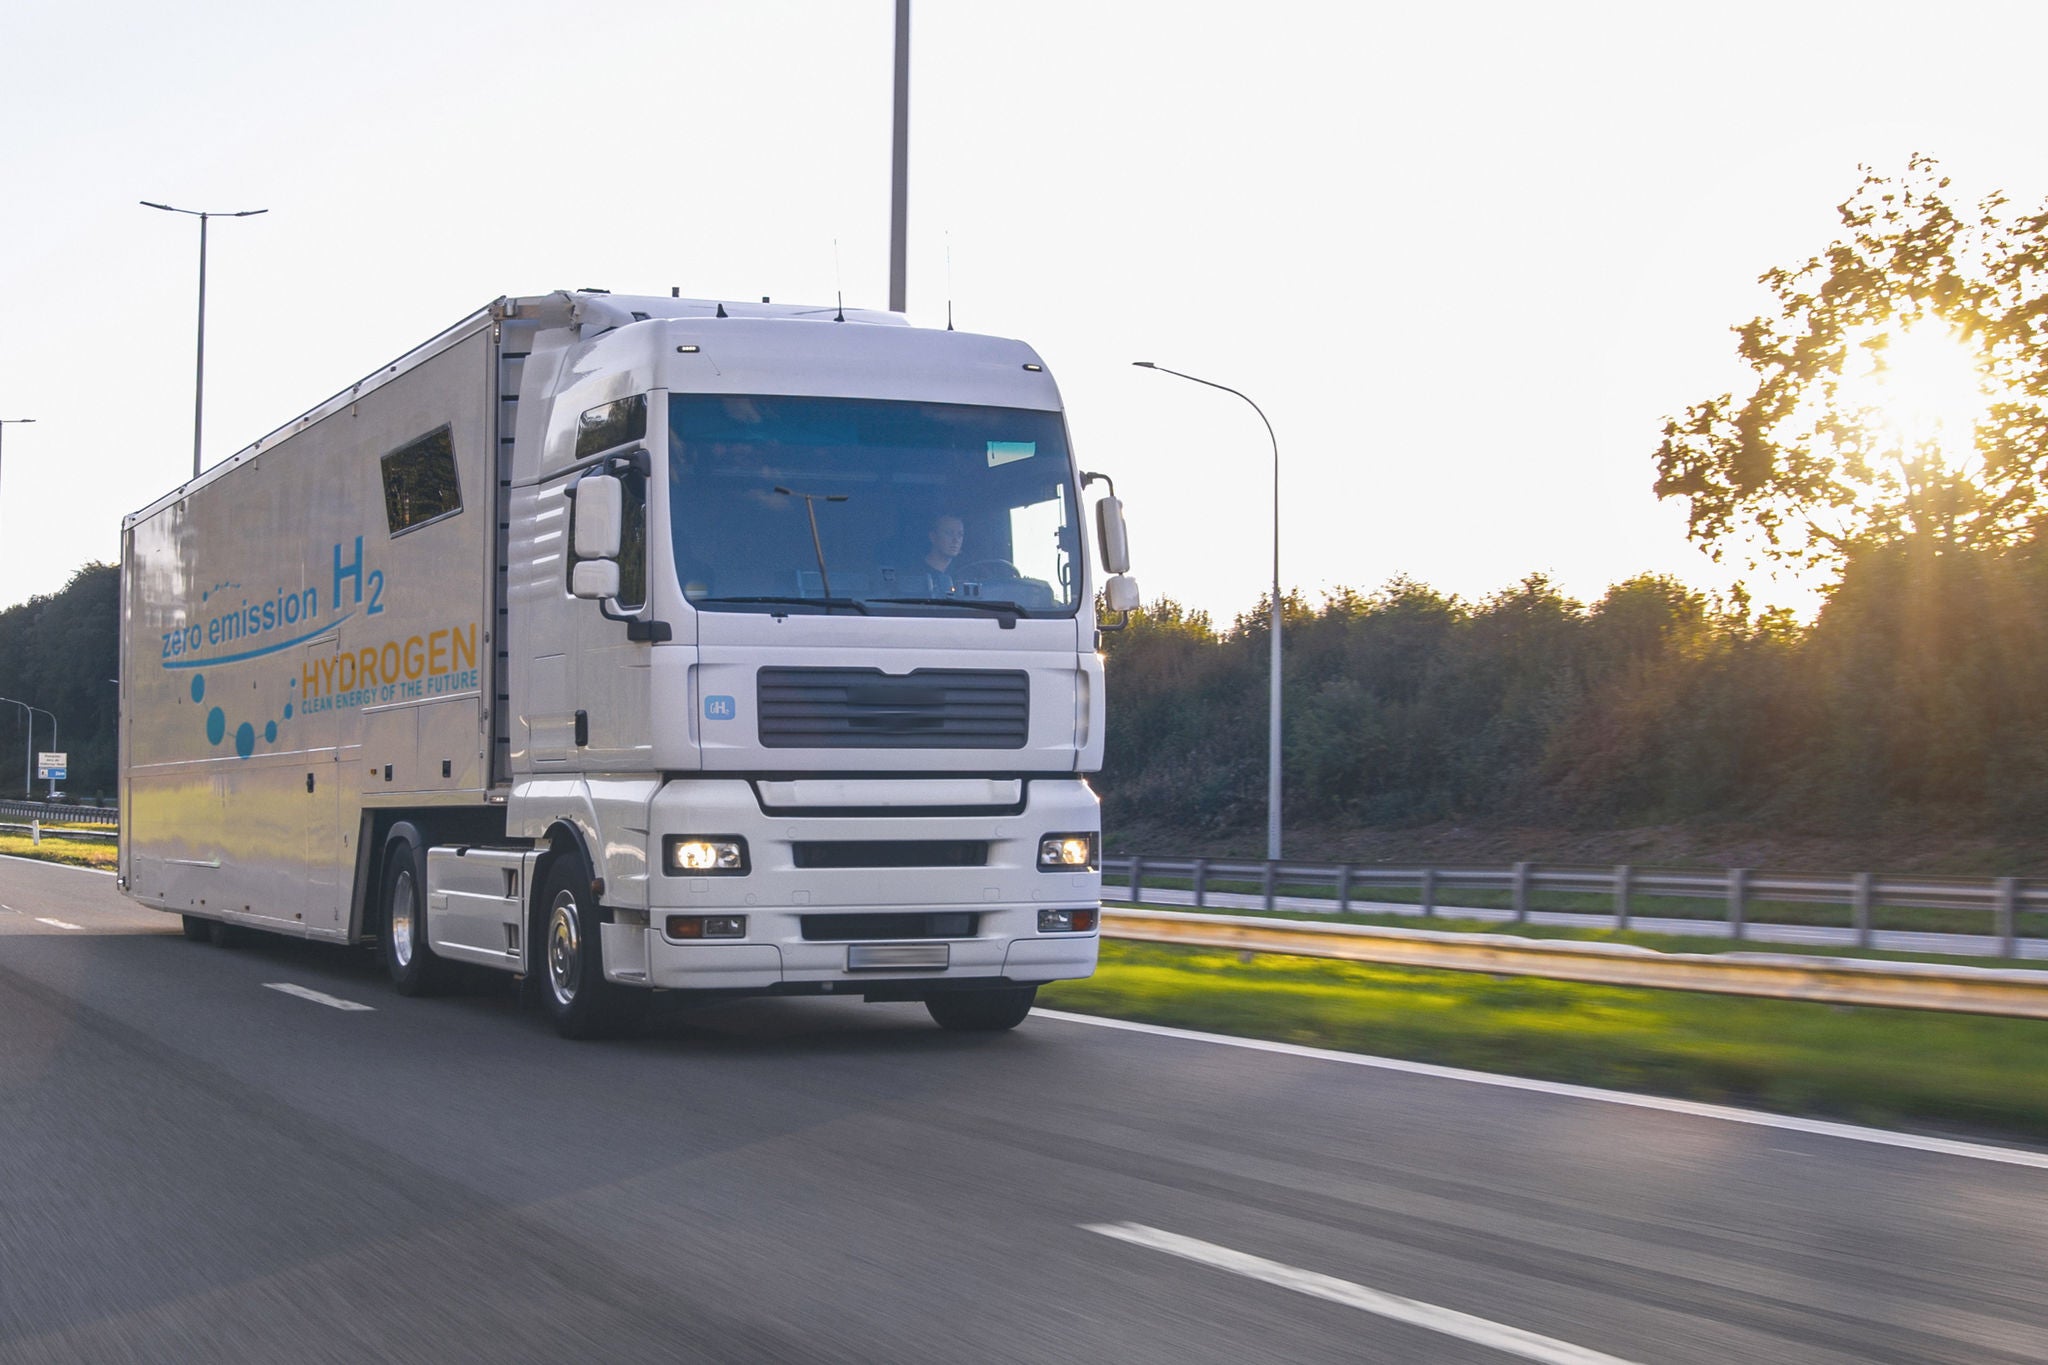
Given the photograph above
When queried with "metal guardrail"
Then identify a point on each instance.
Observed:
(1839, 981)
(59, 814)
(37, 832)
(2002, 899)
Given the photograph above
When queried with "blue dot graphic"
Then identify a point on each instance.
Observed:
(270, 733)
(245, 739)
(198, 686)
(208, 593)
(216, 725)
(287, 710)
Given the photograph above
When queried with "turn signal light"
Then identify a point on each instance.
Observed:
(706, 926)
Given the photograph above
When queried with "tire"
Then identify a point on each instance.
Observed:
(221, 933)
(197, 929)
(570, 942)
(402, 921)
(981, 1011)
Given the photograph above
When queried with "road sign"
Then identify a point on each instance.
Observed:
(51, 767)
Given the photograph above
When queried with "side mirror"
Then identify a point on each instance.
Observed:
(599, 517)
(1111, 535)
(596, 579)
(1120, 594)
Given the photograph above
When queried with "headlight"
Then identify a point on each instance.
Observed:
(1067, 853)
(1066, 921)
(704, 855)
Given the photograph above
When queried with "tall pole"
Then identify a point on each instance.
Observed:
(1273, 703)
(28, 756)
(33, 711)
(899, 179)
(6, 422)
(199, 354)
(199, 350)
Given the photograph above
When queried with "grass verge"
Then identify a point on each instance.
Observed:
(76, 852)
(1663, 943)
(1891, 1068)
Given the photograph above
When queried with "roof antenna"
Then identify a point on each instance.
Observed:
(949, 279)
(721, 310)
(838, 285)
(675, 291)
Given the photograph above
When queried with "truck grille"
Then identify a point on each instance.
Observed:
(890, 853)
(865, 708)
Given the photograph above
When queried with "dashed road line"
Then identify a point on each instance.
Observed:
(333, 1002)
(1448, 1321)
(59, 923)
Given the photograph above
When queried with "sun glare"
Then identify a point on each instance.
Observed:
(1923, 387)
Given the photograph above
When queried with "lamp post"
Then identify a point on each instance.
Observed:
(1273, 708)
(6, 422)
(33, 711)
(28, 758)
(199, 377)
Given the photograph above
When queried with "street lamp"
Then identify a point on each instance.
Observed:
(35, 711)
(1273, 709)
(199, 379)
(6, 422)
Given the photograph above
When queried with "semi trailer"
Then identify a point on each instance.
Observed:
(639, 644)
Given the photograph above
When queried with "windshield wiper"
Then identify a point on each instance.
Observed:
(1013, 611)
(827, 602)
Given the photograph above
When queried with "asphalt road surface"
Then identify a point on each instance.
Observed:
(205, 1154)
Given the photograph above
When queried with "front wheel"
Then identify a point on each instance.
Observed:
(197, 929)
(981, 1011)
(573, 989)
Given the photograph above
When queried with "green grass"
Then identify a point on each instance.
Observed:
(1896, 1068)
(1663, 943)
(76, 852)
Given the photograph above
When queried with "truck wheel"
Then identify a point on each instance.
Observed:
(407, 957)
(571, 968)
(982, 1011)
(197, 929)
(222, 934)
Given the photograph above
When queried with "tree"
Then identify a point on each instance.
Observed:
(1899, 388)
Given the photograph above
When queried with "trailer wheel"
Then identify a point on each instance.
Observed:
(981, 1011)
(403, 941)
(222, 933)
(572, 986)
(197, 929)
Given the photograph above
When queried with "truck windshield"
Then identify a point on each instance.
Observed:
(917, 507)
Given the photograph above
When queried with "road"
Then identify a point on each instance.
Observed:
(196, 1165)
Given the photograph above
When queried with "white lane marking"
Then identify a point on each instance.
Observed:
(1450, 1322)
(58, 923)
(317, 997)
(45, 862)
(1848, 1132)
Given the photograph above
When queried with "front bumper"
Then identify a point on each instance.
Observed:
(780, 899)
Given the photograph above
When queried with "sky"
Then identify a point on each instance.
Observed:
(1465, 257)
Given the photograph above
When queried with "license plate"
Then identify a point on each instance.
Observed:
(882, 957)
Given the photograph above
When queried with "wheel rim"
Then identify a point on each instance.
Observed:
(565, 949)
(402, 902)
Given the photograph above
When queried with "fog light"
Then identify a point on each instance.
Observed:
(707, 926)
(701, 855)
(1065, 921)
(1066, 853)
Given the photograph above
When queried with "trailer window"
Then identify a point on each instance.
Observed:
(420, 482)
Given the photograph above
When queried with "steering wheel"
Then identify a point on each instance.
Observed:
(983, 569)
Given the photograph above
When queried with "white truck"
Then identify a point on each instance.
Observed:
(629, 644)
